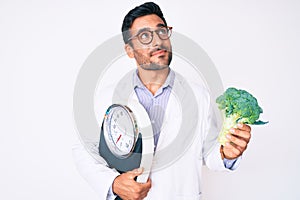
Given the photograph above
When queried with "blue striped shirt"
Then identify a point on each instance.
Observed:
(156, 104)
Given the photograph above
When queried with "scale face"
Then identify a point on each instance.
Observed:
(120, 130)
(126, 139)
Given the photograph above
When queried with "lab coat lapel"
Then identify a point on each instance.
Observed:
(173, 114)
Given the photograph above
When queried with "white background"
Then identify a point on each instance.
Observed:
(254, 44)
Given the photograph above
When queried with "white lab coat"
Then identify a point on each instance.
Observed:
(178, 180)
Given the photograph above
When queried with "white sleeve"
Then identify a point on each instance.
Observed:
(110, 194)
(213, 159)
(95, 172)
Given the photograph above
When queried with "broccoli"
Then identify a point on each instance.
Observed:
(238, 106)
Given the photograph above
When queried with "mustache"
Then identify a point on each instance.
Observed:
(158, 49)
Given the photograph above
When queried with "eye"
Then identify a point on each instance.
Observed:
(162, 31)
(144, 35)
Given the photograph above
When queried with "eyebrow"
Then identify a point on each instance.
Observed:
(161, 25)
(143, 29)
(148, 29)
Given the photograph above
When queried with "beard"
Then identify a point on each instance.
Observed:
(145, 63)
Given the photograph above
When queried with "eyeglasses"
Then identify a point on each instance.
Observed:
(146, 36)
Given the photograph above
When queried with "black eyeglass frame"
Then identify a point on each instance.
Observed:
(169, 29)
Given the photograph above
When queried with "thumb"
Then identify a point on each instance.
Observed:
(136, 172)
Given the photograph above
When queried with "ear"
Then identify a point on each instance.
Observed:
(129, 51)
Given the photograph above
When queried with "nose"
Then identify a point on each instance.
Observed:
(156, 40)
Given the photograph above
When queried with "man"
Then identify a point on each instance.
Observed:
(147, 40)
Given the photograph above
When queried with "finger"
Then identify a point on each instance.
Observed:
(230, 151)
(136, 172)
(240, 133)
(241, 149)
(147, 185)
(144, 193)
(244, 127)
(237, 140)
(143, 189)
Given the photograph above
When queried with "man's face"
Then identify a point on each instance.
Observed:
(157, 54)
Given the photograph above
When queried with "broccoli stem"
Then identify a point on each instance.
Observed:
(228, 123)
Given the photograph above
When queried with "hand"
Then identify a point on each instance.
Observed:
(128, 189)
(238, 139)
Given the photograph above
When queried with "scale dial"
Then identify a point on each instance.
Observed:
(120, 130)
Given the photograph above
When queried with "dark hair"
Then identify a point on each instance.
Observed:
(139, 11)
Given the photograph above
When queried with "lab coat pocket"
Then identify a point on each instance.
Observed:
(188, 197)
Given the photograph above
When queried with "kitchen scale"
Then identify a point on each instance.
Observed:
(126, 139)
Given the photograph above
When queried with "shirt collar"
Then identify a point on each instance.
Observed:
(169, 81)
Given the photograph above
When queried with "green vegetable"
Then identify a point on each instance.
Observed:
(238, 106)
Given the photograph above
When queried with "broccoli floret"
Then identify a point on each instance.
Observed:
(238, 106)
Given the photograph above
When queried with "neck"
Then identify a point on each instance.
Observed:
(153, 79)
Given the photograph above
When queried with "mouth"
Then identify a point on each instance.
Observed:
(158, 52)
